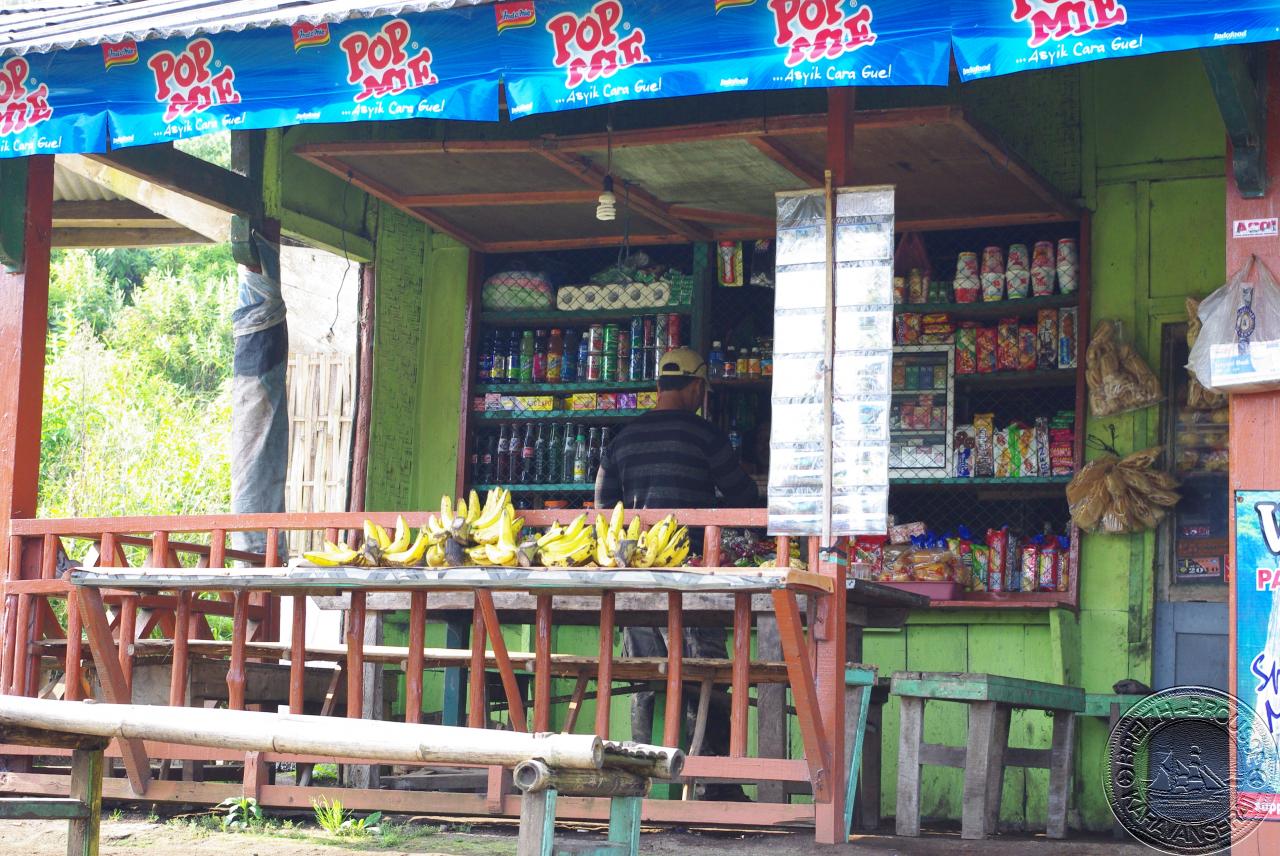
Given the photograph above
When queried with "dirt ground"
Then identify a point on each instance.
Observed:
(134, 837)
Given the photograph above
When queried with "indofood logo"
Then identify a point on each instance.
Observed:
(597, 45)
(381, 65)
(307, 35)
(119, 53)
(515, 16)
(22, 106)
(185, 84)
(813, 30)
(1052, 20)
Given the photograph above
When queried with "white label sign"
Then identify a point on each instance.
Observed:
(1264, 228)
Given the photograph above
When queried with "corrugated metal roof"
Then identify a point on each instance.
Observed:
(69, 187)
(42, 26)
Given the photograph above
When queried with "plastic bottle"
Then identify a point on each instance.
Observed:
(744, 362)
(497, 358)
(569, 369)
(540, 356)
(513, 357)
(501, 463)
(593, 454)
(753, 364)
(580, 457)
(584, 352)
(555, 455)
(568, 454)
(540, 463)
(528, 463)
(715, 361)
(526, 357)
(484, 372)
(604, 447)
(735, 437)
(488, 458)
(730, 363)
(766, 359)
(555, 356)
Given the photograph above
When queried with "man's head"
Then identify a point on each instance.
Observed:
(682, 379)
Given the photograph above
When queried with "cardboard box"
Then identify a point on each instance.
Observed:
(582, 401)
(626, 401)
(646, 400)
(493, 401)
(1252, 368)
(535, 403)
(607, 401)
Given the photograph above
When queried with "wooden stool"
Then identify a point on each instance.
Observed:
(83, 808)
(991, 699)
(1110, 707)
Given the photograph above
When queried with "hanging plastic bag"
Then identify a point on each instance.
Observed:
(1199, 398)
(1118, 496)
(1119, 379)
(1238, 349)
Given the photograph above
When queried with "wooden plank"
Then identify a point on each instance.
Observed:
(542, 665)
(772, 725)
(189, 176)
(167, 235)
(745, 769)
(537, 824)
(783, 156)
(741, 665)
(42, 808)
(984, 769)
(1015, 692)
(673, 715)
(578, 695)
(493, 627)
(414, 664)
(1060, 769)
(804, 693)
(604, 676)
(910, 744)
(239, 638)
(355, 656)
(111, 676)
(86, 789)
(467, 200)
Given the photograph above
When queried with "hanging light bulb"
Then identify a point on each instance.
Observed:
(607, 207)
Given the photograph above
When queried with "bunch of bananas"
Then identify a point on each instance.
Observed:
(380, 548)
(665, 545)
(610, 544)
(467, 533)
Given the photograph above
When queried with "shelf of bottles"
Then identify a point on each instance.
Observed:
(549, 398)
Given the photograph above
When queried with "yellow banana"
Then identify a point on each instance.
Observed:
(633, 531)
(615, 520)
(413, 554)
(402, 537)
(473, 507)
(435, 556)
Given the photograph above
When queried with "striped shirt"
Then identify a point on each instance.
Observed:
(672, 459)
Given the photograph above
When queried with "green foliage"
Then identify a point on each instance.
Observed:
(137, 410)
(335, 820)
(241, 813)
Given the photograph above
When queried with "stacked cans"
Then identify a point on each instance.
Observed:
(630, 351)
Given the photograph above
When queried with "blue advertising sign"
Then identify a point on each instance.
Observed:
(1257, 646)
(439, 65)
(565, 54)
(994, 37)
(50, 104)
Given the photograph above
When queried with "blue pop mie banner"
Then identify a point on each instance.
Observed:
(994, 37)
(1257, 646)
(50, 104)
(565, 54)
(440, 65)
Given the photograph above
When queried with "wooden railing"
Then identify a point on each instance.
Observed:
(39, 547)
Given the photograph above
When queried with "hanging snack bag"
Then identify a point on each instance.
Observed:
(1000, 452)
(1007, 345)
(1044, 464)
(1067, 336)
(1013, 563)
(966, 444)
(985, 349)
(998, 547)
(1119, 379)
(1047, 565)
(1028, 454)
(1028, 345)
(966, 350)
(984, 426)
(980, 558)
(1013, 441)
(1030, 564)
(1068, 267)
(1064, 563)
(1047, 332)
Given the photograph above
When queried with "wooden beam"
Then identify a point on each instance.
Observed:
(648, 204)
(840, 120)
(783, 156)
(1235, 72)
(707, 215)
(533, 197)
(582, 243)
(164, 166)
(1013, 164)
(108, 214)
(156, 236)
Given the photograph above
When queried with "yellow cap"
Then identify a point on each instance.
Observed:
(682, 362)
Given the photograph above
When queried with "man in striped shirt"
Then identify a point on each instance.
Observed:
(673, 458)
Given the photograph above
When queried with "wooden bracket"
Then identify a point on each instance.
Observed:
(1237, 75)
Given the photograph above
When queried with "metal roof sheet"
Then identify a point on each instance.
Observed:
(43, 26)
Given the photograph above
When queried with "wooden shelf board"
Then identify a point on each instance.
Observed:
(552, 317)
(1020, 307)
(566, 387)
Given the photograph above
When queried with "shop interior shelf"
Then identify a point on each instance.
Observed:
(742, 383)
(557, 415)
(1007, 600)
(933, 390)
(1019, 307)
(560, 388)
(1012, 380)
(1037, 481)
(918, 432)
(552, 317)
(538, 488)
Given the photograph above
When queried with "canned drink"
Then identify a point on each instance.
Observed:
(637, 363)
(660, 336)
(611, 338)
(624, 353)
(595, 363)
(647, 362)
(673, 331)
(609, 366)
(595, 339)
(637, 331)
(648, 331)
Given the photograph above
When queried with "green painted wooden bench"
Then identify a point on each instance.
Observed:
(991, 699)
(83, 808)
(1110, 707)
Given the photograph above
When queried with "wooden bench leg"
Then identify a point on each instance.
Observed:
(537, 823)
(1060, 763)
(984, 768)
(86, 786)
(857, 704)
(624, 823)
(910, 735)
(869, 781)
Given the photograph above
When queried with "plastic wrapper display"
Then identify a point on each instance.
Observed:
(1122, 495)
(1198, 397)
(1119, 379)
(1237, 348)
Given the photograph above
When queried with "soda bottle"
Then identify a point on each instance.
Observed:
(766, 359)
(584, 352)
(540, 356)
(526, 357)
(730, 363)
(540, 457)
(484, 371)
(528, 460)
(513, 455)
(568, 455)
(475, 460)
(569, 369)
(604, 446)
(513, 357)
(593, 454)
(501, 465)
(715, 361)
(580, 457)
(555, 456)
(555, 357)
(487, 458)
(744, 362)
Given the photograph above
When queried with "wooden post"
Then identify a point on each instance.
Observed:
(86, 786)
(477, 706)
(910, 736)
(675, 670)
(1060, 768)
(298, 654)
(772, 732)
(984, 768)
(515, 702)
(355, 655)
(830, 632)
(741, 666)
(239, 638)
(537, 823)
(75, 654)
(413, 664)
(624, 823)
(542, 665)
(181, 637)
(1255, 457)
(604, 679)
